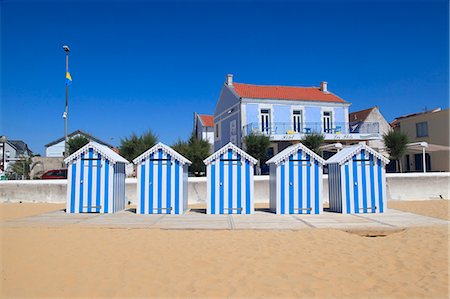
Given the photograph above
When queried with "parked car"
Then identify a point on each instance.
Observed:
(55, 174)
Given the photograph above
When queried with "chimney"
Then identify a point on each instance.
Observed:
(230, 79)
(323, 87)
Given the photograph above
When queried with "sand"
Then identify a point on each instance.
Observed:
(311, 263)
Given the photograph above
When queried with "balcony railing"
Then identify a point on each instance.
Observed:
(281, 128)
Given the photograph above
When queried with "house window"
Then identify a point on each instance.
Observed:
(217, 131)
(298, 120)
(327, 122)
(265, 120)
(422, 129)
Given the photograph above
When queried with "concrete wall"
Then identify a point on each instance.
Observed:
(406, 186)
(418, 186)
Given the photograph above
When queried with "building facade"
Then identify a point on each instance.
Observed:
(286, 114)
(431, 127)
(204, 128)
(359, 119)
(56, 148)
(13, 150)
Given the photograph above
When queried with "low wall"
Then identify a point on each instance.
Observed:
(418, 186)
(405, 186)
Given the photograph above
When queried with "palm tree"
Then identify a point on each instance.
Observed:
(313, 141)
(196, 150)
(131, 147)
(396, 142)
(256, 145)
(20, 168)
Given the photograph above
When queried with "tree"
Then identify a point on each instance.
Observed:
(313, 141)
(256, 145)
(196, 150)
(396, 142)
(77, 142)
(130, 148)
(20, 168)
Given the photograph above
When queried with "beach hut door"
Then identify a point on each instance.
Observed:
(362, 169)
(226, 180)
(86, 184)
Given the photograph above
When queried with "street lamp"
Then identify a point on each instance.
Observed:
(66, 113)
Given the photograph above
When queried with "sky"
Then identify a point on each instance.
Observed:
(146, 65)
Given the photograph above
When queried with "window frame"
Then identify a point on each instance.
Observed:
(422, 129)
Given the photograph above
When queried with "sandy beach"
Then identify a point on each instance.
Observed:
(135, 263)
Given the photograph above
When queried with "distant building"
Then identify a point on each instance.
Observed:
(204, 128)
(56, 148)
(429, 126)
(14, 150)
(286, 114)
(371, 116)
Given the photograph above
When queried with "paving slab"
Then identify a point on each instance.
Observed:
(50, 219)
(266, 221)
(398, 218)
(260, 220)
(123, 219)
(194, 221)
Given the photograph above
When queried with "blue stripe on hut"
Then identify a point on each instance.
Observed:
(96, 180)
(357, 180)
(161, 181)
(230, 187)
(296, 181)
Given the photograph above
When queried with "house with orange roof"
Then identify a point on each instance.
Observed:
(286, 114)
(204, 128)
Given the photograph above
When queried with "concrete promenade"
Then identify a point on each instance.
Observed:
(392, 220)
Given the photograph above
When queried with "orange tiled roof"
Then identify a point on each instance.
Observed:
(208, 120)
(284, 93)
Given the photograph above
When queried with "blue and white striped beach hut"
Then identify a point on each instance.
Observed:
(296, 179)
(230, 188)
(162, 181)
(95, 180)
(357, 181)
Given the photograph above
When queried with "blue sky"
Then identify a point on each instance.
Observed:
(149, 65)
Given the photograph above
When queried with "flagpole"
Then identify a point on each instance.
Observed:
(66, 113)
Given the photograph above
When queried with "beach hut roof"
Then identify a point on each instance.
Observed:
(168, 150)
(225, 149)
(348, 152)
(284, 154)
(102, 149)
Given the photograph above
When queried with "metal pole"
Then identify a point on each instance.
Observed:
(66, 119)
(424, 160)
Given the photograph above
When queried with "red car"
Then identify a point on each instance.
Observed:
(55, 174)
